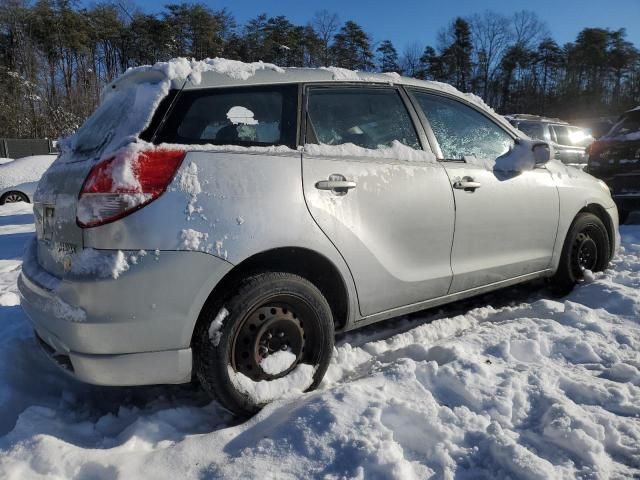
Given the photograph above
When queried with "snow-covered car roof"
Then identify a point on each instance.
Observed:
(23, 170)
(220, 72)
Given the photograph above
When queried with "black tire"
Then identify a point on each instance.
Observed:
(310, 334)
(586, 247)
(13, 197)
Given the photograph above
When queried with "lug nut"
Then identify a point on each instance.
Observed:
(284, 347)
(263, 351)
(280, 334)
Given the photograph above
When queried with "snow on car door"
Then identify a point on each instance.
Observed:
(506, 223)
(384, 203)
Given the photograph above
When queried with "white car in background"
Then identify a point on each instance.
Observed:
(19, 178)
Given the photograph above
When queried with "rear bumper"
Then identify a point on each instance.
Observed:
(133, 330)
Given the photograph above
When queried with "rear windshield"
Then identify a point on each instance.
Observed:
(122, 115)
(244, 116)
(533, 130)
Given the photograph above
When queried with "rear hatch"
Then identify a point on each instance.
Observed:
(126, 110)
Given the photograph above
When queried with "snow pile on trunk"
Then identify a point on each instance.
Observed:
(511, 385)
(23, 170)
(139, 91)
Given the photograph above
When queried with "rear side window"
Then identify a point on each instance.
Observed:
(461, 130)
(562, 134)
(247, 116)
(534, 130)
(367, 117)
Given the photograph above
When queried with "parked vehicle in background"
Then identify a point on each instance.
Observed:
(19, 178)
(569, 141)
(615, 158)
(22, 192)
(243, 213)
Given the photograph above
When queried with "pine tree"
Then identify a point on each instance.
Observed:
(352, 48)
(388, 57)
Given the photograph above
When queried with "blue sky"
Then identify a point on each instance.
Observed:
(404, 22)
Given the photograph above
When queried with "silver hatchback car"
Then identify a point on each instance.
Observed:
(222, 223)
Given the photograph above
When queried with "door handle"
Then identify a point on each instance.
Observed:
(337, 184)
(467, 184)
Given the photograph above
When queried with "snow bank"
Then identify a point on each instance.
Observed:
(4, 160)
(23, 170)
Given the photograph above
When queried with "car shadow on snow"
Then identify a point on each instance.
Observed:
(13, 245)
(37, 398)
(18, 219)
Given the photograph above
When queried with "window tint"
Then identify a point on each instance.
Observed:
(534, 130)
(367, 117)
(461, 130)
(237, 116)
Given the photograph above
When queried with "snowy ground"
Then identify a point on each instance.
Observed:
(511, 385)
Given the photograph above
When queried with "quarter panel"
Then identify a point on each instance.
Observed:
(229, 204)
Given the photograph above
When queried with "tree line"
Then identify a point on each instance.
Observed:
(56, 56)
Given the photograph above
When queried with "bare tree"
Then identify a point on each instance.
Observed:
(410, 60)
(491, 36)
(528, 29)
(326, 25)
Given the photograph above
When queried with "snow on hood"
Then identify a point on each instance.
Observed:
(23, 170)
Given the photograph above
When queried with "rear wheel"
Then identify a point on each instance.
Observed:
(13, 197)
(586, 247)
(272, 336)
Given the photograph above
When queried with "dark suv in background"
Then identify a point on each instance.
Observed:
(615, 159)
(569, 142)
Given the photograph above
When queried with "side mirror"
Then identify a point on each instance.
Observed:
(541, 153)
(525, 155)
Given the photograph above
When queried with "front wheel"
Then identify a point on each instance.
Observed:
(273, 337)
(586, 247)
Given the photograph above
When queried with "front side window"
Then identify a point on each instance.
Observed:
(461, 130)
(367, 117)
(260, 116)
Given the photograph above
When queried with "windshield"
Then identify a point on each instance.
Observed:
(630, 123)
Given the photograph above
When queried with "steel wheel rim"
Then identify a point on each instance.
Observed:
(280, 322)
(585, 252)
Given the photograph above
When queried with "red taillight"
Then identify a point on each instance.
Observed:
(125, 183)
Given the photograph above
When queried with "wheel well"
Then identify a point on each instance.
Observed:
(602, 214)
(300, 261)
